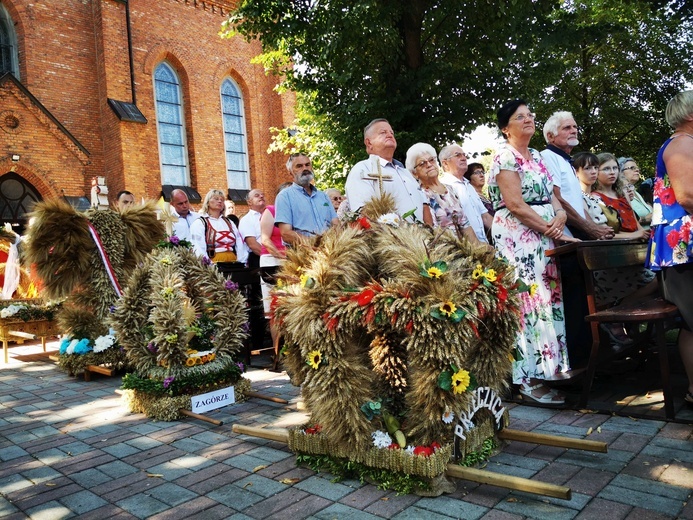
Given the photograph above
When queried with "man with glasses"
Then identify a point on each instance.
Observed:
(454, 163)
(302, 210)
(382, 172)
(561, 134)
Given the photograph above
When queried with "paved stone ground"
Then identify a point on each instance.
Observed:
(69, 449)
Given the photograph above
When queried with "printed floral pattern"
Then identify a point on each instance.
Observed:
(670, 238)
(541, 349)
(446, 208)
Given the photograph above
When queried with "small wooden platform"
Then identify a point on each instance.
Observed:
(89, 369)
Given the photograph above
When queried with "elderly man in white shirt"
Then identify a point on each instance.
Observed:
(249, 226)
(364, 182)
(454, 163)
(561, 135)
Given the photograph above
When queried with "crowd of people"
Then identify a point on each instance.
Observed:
(525, 204)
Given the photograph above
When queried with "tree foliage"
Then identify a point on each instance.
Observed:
(438, 68)
(615, 65)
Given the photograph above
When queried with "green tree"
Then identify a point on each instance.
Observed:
(438, 68)
(434, 68)
(615, 65)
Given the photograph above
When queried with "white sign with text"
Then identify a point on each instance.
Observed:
(213, 400)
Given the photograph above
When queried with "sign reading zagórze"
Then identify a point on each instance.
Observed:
(213, 400)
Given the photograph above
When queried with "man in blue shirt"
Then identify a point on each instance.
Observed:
(301, 209)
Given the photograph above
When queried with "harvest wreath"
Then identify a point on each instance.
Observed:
(394, 331)
(84, 258)
(181, 322)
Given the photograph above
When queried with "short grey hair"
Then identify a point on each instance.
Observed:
(370, 125)
(445, 154)
(250, 194)
(680, 109)
(417, 150)
(622, 162)
(551, 125)
(290, 162)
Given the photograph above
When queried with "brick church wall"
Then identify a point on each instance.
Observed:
(74, 56)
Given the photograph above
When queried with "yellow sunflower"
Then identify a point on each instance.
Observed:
(460, 381)
(478, 271)
(434, 272)
(490, 275)
(314, 358)
(533, 289)
(448, 308)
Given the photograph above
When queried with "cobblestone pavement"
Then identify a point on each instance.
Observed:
(69, 449)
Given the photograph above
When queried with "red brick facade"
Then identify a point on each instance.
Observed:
(73, 56)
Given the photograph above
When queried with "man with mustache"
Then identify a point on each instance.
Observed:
(382, 171)
(561, 134)
(301, 209)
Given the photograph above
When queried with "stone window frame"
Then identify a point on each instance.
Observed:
(9, 48)
(234, 174)
(165, 168)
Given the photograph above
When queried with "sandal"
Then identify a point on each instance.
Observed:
(616, 333)
(550, 397)
(688, 398)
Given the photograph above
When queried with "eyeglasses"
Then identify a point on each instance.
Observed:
(478, 172)
(632, 168)
(609, 169)
(426, 162)
(456, 155)
(521, 118)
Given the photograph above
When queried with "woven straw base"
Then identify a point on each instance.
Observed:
(166, 408)
(394, 460)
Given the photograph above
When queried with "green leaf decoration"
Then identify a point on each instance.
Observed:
(472, 383)
(457, 316)
(445, 380)
(367, 411)
(435, 312)
(408, 214)
(522, 286)
(443, 266)
(371, 408)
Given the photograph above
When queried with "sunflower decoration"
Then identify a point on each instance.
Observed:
(433, 270)
(314, 359)
(447, 311)
(179, 320)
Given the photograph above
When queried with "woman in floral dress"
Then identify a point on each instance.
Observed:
(671, 240)
(527, 221)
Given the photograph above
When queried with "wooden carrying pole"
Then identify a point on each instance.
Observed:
(267, 397)
(201, 417)
(453, 470)
(508, 481)
(552, 440)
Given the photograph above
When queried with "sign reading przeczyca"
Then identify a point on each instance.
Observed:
(213, 400)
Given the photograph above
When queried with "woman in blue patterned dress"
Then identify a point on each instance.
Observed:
(527, 221)
(671, 240)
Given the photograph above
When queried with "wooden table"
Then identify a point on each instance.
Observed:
(15, 329)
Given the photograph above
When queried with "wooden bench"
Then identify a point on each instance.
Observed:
(655, 311)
